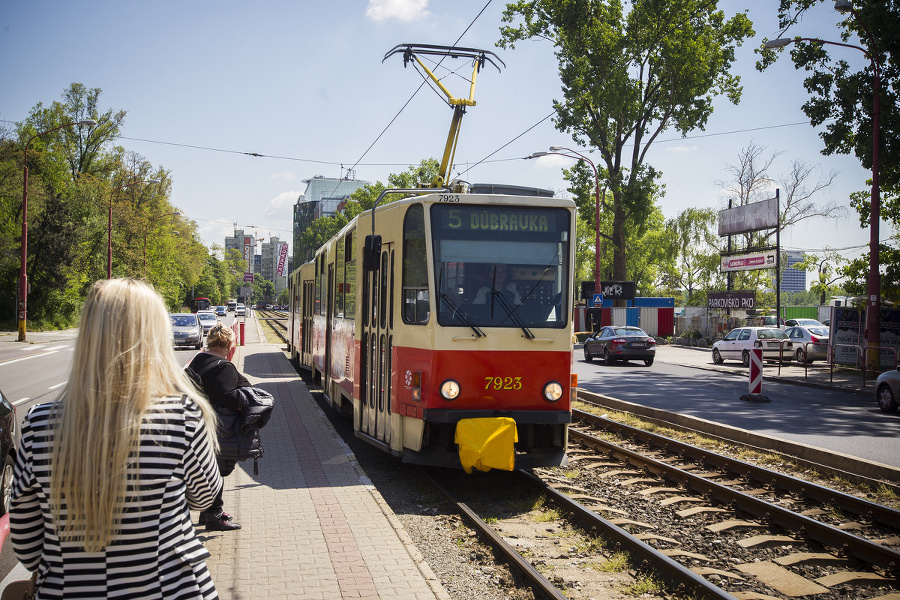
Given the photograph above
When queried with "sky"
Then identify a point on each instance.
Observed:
(305, 85)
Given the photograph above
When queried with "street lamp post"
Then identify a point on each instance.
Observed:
(23, 275)
(147, 230)
(109, 226)
(578, 156)
(873, 300)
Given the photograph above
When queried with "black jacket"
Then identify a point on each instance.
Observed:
(221, 383)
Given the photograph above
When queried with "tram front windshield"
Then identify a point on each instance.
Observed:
(501, 266)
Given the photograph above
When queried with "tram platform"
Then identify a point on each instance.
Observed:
(313, 525)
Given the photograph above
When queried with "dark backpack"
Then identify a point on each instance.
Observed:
(238, 432)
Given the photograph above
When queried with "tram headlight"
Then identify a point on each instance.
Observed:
(450, 390)
(553, 391)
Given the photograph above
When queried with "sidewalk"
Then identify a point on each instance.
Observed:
(313, 525)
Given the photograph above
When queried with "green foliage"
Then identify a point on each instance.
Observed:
(627, 77)
(841, 104)
(81, 189)
(323, 229)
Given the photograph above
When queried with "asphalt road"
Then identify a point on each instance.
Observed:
(838, 420)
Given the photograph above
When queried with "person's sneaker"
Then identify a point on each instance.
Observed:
(220, 524)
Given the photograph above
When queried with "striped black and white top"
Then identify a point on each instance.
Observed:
(156, 555)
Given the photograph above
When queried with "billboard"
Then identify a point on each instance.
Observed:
(249, 251)
(749, 217)
(281, 260)
(749, 262)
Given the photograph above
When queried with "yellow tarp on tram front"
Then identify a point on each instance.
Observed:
(487, 443)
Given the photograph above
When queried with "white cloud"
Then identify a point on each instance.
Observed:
(402, 10)
(288, 175)
(682, 149)
(281, 205)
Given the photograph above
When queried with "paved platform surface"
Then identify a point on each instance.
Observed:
(314, 528)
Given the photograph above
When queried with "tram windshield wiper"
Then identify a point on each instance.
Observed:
(462, 316)
(511, 312)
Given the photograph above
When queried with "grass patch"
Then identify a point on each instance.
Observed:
(617, 563)
(546, 515)
(644, 585)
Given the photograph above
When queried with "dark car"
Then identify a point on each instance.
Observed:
(8, 444)
(620, 343)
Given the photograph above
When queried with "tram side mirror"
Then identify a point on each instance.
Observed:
(371, 252)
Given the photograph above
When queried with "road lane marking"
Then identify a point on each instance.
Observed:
(9, 362)
(53, 387)
(21, 401)
(58, 347)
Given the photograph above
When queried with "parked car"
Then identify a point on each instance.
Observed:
(620, 343)
(810, 341)
(240, 311)
(187, 330)
(221, 311)
(763, 321)
(738, 342)
(8, 445)
(887, 390)
(208, 320)
(803, 323)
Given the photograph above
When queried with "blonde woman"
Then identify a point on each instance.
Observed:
(221, 380)
(106, 474)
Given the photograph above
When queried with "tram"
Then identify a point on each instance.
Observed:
(440, 308)
(442, 322)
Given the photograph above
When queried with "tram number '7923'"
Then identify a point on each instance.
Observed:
(503, 383)
(448, 198)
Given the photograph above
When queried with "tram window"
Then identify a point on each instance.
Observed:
(415, 296)
(501, 266)
(350, 275)
(383, 306)
(339, 280)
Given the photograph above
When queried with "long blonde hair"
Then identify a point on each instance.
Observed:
(123, 361)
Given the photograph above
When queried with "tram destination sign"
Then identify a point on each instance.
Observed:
(512, 219)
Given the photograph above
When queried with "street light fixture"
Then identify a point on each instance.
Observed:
(558, 150)
(873, 301)
(147, 230)
(109, 226)
(23, 275)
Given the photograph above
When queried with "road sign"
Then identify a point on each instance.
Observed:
(598, 299)
(756, 367)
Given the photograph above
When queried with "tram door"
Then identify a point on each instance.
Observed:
(329, 328)
(376, 348)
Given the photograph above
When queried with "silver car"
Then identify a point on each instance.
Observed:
(187, 330)
(739, 342)
(810, 342)
(887, 390)
(208, 320)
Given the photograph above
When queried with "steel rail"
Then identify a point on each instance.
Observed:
(865, 550)
(669, 570)
(858, 506)
(527, 569)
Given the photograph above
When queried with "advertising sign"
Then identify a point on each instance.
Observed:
(749, 262)
(249, 251)
(890, 337)
(739, 300)
(281, 265)
(749, 217)
(846, 337)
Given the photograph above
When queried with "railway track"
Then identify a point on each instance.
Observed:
(705, 525)
(277, 321)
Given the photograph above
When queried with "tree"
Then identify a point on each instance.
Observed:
(627, 78)
(751, 181)
(841, 104)
(693, 252)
